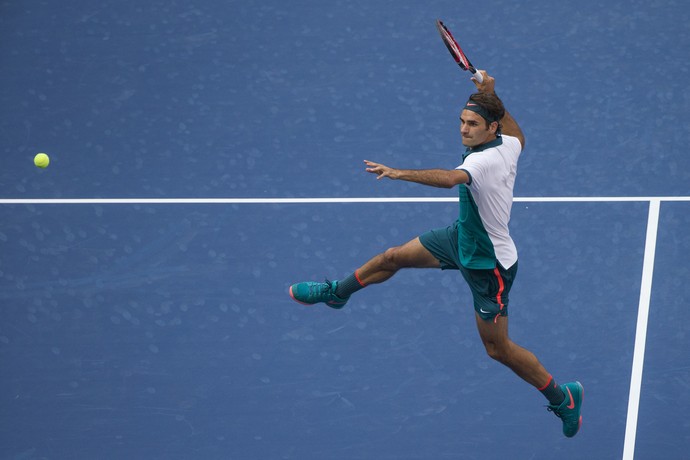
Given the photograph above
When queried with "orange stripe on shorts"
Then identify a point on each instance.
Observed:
(501, 287)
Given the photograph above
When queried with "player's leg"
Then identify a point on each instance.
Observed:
(494, 335)
(565, 400)
(383, 266)
(491, 295)
(377, 270)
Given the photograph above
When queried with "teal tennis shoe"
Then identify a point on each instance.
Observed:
(569, 411)
(310, 292)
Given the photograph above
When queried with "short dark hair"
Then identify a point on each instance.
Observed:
(492, 104)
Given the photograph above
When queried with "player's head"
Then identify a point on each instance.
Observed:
(489, 107)
(480, 119)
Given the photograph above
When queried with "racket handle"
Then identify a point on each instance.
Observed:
(477, 76)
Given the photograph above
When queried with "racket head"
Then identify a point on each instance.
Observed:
(454, 48)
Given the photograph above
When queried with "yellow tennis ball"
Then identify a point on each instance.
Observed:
(42, 160)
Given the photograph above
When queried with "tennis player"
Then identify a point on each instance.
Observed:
(478, 244)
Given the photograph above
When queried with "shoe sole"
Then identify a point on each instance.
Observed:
(582, 401)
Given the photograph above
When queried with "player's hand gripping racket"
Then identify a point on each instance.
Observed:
(456, 51)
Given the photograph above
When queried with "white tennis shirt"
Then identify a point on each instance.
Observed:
(486, 202)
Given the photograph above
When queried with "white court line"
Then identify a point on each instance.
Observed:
(647, 269)
(641, 331)
(550, 199)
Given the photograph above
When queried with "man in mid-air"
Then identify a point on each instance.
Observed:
(478, 244)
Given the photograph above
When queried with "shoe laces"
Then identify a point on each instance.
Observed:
(563, 414)
(555, 411)
(321, 288)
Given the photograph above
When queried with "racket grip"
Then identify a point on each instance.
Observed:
(477, 76)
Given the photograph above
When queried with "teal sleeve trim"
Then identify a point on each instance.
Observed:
(468, 174)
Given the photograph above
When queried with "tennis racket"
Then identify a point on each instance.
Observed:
(456, 51)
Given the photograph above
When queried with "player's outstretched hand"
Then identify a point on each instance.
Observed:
(487, 85)
(380, 170)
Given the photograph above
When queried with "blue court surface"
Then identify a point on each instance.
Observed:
(207, 155)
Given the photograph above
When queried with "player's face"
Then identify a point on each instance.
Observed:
(473, 129)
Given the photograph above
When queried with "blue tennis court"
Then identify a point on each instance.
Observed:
(206, 156)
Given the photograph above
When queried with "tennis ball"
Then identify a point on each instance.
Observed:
(42, 160)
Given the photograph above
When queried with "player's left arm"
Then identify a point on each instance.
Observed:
(442, 178)
(510, 126)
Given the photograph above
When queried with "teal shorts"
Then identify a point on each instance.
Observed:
(490, 288)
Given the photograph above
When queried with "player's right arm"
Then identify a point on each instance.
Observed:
(442, 178)
(510, 126)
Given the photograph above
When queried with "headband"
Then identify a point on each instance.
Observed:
(476, 108)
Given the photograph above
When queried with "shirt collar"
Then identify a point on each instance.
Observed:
(494, 143)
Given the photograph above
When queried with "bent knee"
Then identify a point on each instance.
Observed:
(410, 254)
(391, 257)
(498, 352)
